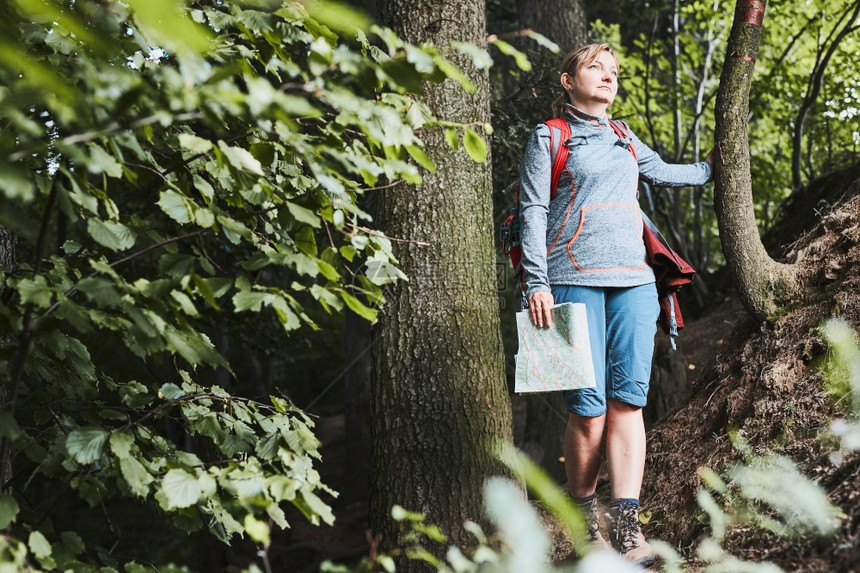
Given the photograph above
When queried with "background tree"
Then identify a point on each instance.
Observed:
(846, 24)
(440, 402)
(564, 23)
(522, 97)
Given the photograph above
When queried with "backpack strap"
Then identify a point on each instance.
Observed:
(623, 133)
(560, 158)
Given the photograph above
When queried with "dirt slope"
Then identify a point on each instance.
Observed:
(765, 383)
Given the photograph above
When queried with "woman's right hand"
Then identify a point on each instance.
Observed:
(540, 307)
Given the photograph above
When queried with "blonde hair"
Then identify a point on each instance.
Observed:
(573, 62)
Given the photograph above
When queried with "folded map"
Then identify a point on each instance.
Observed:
(556, 358)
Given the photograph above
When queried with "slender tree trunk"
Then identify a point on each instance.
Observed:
(7, 265)
(762, 282)
(356, 398)
(439, 400)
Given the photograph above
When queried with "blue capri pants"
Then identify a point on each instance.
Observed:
(622, 322)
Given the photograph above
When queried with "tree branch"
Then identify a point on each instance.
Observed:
(98, 133)
(143, 251)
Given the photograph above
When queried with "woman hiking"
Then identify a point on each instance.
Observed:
(585, 245)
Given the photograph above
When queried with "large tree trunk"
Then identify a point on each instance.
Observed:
(762, 282)
(439, 403)
(562, 21)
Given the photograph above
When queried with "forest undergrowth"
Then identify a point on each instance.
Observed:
(766, 386)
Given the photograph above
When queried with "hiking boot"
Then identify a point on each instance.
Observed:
(592, 525)
(627, 538)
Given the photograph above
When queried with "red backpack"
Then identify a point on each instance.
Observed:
(671, 271)
(510, 227)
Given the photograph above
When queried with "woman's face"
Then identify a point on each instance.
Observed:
(595, 84)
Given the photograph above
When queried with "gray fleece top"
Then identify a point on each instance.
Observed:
(590, 234)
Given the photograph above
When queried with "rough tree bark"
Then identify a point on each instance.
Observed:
(439, 400)
(562, 21)
(762, 282)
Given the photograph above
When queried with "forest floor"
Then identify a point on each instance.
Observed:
(766, 385)
(763, 382)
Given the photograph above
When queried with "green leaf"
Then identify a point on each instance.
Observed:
(306, 241)
(480, 57)
(204, 218)
(211, 289)
(358, 307)
(475, 146)
(85, 444)
(382, 272)
(267, 448)
(452, 138)
(170, 26)
(348, 252)
(180, 489)
(304, 215)
(255, 20)
(174, 206)
(101, 161)
(208, 426)
(420, 157)
(35, 292)
(277, 514)
(233, 229)
(194, 144)
(8, 510)
(100, 291)
(204, 187)
(114, 236)
(136, 476)
(250, 300)
(171, 391)
(314, 507)
(544, 41)
(39, 545)
(121, 444)
(241, 158)
(185, 303)
(328, 271)
(8, 427)
(520, 58)
(14, 185)
(257, 530)
(191, 345)
(453, 72)
(73, 542)
(339, 16)
(135, 395)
